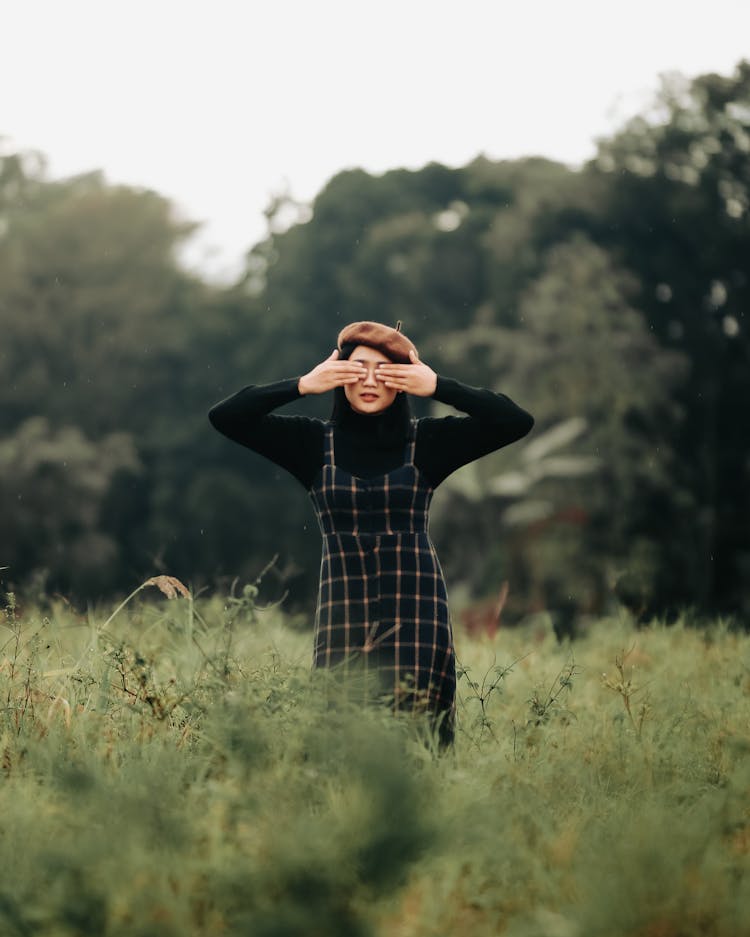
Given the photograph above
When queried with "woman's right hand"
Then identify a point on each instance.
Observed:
(329, 374)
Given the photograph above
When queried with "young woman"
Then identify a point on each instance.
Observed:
(371, 471)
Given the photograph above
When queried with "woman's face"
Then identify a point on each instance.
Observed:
(369, 395)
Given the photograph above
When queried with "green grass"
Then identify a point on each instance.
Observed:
(176, 769)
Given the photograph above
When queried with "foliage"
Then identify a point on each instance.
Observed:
(179, 770)
(677, 181)
(585, 363)
(611, 298)
(53, 485)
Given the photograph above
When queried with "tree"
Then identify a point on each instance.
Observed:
(677, 213)
(53, 485)
(581, 357)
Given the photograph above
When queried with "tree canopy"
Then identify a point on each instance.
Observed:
(610, 301)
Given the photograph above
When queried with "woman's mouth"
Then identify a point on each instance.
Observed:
(368, 397)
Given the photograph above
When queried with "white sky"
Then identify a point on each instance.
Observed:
(219, 103)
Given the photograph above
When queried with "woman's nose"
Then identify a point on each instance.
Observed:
(369, 378)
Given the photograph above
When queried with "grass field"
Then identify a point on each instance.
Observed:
(175, 769)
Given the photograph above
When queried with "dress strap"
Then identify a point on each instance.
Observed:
(328, 453)
(411, 445)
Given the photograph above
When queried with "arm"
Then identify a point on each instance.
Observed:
(443, 445)
(293, 442)
(493, 421)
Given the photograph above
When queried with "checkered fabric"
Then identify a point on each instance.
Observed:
(382, 601)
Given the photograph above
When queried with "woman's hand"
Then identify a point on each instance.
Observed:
(415, 378)
(329, 374)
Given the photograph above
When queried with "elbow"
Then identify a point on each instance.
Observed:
(519, 426)
(215, 418)
(511, 430)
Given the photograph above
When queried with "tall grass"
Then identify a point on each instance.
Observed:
(174, 768)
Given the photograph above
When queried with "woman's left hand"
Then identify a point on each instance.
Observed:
(416, 378)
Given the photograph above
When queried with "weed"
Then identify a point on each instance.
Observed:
(544, 704)
(185, 773)
(624, 686)
(481, 693)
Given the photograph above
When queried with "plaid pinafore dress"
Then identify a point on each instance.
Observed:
(382, 600)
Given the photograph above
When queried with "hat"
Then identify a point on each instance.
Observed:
(391, 342)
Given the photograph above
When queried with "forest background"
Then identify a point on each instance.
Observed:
(610, 301)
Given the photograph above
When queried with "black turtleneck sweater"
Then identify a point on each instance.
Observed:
(296, 443)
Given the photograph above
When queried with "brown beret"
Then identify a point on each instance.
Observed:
(392, 342)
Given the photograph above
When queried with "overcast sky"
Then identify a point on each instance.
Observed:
(219, 104)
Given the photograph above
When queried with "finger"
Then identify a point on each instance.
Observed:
(393, 370)
(396, 382)
(347, 365)
(413, 356)
(334, 355)
(339, 381)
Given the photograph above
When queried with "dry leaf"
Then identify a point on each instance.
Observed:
(169, 585)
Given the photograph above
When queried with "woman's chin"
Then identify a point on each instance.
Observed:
(369, 407)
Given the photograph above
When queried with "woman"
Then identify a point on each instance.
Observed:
(371, 471)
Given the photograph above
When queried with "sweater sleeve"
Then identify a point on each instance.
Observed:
(445, 444)
(293, 442)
